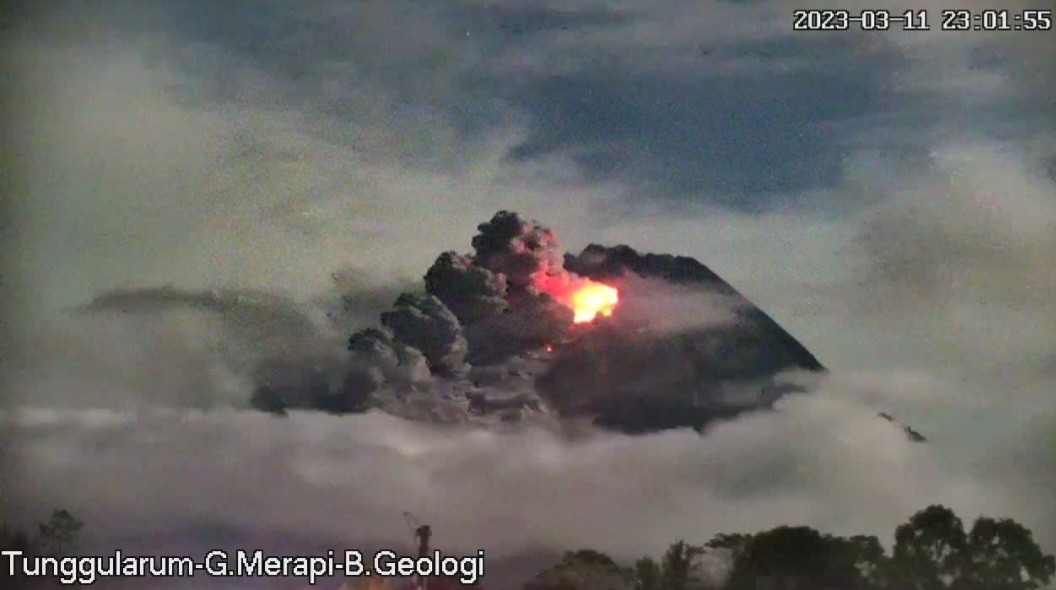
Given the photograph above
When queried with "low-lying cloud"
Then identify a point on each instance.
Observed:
(823, 459)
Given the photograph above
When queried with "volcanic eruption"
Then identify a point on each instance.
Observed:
(529, 258)
(517, 331)
(520, 332)
(586, 298)
(591, 300)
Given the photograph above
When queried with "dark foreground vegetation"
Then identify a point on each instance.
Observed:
(932, 551)
(54, 537)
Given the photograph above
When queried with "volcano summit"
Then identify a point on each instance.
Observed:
(520, 331)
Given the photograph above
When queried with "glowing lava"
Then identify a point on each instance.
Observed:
(593, 299)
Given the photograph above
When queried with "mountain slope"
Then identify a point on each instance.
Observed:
(637, 379)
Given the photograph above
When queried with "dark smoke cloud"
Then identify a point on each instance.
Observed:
(265, 318)
(528, 254)
(176, 348)
(274, 353)
(379, 350)
(315, 383)
(530, 323)
(425, 323)
(683, 350)
(502, 293)
(471, 292)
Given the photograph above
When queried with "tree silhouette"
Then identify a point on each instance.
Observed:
(932, 552)
(1002, 555)
(797, 557)
(647, 574)
(677, 565)
(866, 555)
(54, 537)
(58, 533)
(734, 543)
(584, 569)
(929, 550)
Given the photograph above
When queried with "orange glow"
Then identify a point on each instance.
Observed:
(593, 299)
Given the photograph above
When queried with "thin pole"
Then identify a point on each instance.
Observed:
(423, 533)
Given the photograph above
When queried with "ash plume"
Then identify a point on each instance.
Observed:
(682, 348)
(471, 292)
(504, 294)
(484, 308)
(529, 257)
(425, 323)
(525, 252)
(378, 351)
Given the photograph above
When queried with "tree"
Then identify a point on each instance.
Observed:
(1002, 555)
(797, 557)
(867, 557)
(929, 550)
(58, 533)
(932, 552)
(584, 569)
(647, 574)
(53, 538)
(734, 543)
(678, 564)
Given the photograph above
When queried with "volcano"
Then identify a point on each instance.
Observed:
(518, 331)
(639, 380)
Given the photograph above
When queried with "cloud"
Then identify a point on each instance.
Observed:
(471, 291)
(136, 171)
(507, 492)
(667, 308)
(150, 477)
(962, 253)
